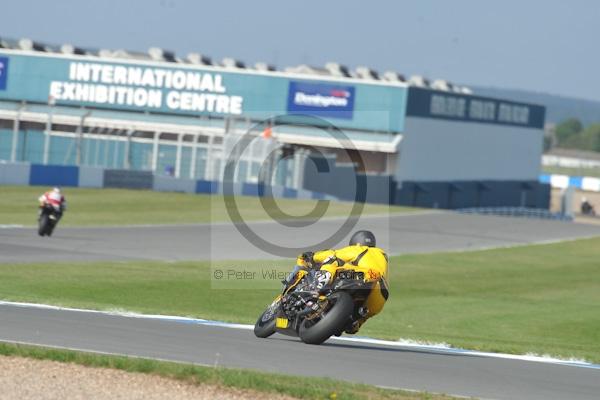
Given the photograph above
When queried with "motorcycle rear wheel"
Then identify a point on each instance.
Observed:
(44, 221)
(331, 323)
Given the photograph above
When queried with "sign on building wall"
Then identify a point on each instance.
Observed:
(178, 88)
(321, 100)
(146, 87)
(3, 72)
(454, 106)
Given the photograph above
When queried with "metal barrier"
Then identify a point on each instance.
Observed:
(516, 212)
(60, 175)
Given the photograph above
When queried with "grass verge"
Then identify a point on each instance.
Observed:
(95, 207)
(593, 172)
(542, 299)
(299, 387)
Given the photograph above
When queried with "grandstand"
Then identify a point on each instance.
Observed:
(420, 142)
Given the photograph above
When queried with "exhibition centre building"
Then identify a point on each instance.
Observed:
(325, 130)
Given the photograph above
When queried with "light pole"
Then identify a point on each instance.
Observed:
(15, 138)
(80, 136)
(51, 103)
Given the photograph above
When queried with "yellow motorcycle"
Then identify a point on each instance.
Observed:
(312, 314)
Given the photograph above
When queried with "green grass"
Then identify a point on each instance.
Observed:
(543, 299)
(299, 387)
(594, 172)
(134, 207)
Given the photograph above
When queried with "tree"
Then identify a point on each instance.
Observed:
(592, 137)
(547, 143)
(567, 130)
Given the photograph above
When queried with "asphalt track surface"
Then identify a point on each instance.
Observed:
(388, 366)
(407, 233)
(436, 371)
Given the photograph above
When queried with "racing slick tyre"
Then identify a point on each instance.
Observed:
(43, 225)
(50, 229)
(333, 321)
(265, 325)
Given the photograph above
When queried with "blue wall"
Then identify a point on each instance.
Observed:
(54, 175)
(70, 176)
(469, 194)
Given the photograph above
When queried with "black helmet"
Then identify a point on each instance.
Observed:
(364, 238)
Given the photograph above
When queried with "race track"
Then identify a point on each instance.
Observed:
(408, 233)
(389, 366)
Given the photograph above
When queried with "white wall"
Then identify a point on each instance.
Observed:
(14, 174)
(439, 150)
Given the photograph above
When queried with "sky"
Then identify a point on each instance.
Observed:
(549, 46)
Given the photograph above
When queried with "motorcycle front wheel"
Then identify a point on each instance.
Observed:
(333, 320)
(265, 325)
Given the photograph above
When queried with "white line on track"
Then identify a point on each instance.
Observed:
(107, 353)
(439, 348)
(5, 226)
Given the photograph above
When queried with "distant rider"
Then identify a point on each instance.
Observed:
(360, 255)
(587, 208)
(55, 199)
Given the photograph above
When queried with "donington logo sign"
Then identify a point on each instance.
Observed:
(3, 72)
(323, 100)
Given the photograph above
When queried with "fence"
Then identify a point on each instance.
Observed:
(94, 177)
(517, 212)
(586, 183)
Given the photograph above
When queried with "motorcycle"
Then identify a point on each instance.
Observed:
(48, 218)
(314, 315)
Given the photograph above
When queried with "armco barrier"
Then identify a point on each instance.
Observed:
(207, 187)
(125, 179)
(170, 184)
(516, 212)
(53, 175)
(91, 177)
(252, 189)
(15, 174)
(587, 183)
(289, 193)
(94, 177)
(469, 194)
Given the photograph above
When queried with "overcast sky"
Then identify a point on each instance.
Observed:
(542, 45)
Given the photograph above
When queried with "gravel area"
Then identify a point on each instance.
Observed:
(24, 378)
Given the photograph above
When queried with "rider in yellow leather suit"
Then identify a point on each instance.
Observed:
(360, 255)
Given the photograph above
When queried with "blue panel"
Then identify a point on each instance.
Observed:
(264, 190)
(466, 194)
(3, 72)
(290, 193)
(321, 100)
(251, 189)
(210, 187)
(545, 178)
(54, 175)
(575, 181)
(318, 196)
